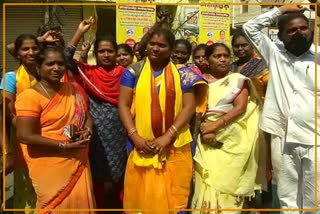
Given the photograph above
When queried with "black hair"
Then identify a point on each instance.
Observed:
(105, 38)
(213, 47)
(126, 48)
(166, 33)
(200, 47)
(185, 43)
(239, 33)
(284, 19)
(43, 53)
(20, 39)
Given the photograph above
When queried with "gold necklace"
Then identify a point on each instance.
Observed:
(45, 90)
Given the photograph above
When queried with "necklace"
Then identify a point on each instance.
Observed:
(45, 90)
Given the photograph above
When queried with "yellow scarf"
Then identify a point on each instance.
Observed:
(143, 114)
(23, 80)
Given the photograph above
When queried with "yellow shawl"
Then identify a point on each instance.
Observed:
(143, 114)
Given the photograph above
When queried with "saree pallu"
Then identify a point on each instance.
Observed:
(61, 180)
(226, 174)
(24, 195)
(159, 183)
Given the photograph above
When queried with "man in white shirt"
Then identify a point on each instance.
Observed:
(289, 108)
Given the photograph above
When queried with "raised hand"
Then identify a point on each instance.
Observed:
(49, 37)
(292, 9)
(85, 25)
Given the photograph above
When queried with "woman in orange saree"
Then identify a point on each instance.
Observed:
(57, 160)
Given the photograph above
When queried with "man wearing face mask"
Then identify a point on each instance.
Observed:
(289, 108)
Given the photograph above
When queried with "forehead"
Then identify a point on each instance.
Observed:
(200, 52)
(241, 40)
(28, 43)
(181, 46)
(297, 22)
(160, 38)
(220, 50)
(122, 50)
(54, 56)
(105, 45)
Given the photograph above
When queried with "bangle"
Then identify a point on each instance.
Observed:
(175, 129)
(62, 146)
(131, 131)
(173, 134)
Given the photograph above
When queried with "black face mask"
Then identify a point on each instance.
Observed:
(298, 44)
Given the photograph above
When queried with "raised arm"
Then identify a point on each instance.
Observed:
(253, 28)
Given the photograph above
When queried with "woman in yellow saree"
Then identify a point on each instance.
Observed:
(226, 158)
(162, 101)
(57, 159)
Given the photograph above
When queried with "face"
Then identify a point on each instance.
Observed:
(222, 34)
(200, 59)
(53, 67)
(137, 53)
(297, 36)
(124, 58)
(28, 51)
(158, 49)
(180, 54)
(298, 25)
(106, 54)
(219, 60)
(242, 48)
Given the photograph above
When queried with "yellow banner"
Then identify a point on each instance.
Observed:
(133, 21)
(214, 22)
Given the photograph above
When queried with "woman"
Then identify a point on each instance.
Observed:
(124, 55)
(57, 157)
(139, 54)
(181, 51)
(108, 154)
(256, 69)
(226, 154)
(162, 101)
(26, 47)
(199, 58)
(248, 65)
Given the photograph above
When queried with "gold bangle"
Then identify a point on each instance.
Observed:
(172, 133)
(175, 129)
(131, 131)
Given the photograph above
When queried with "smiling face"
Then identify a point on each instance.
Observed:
(180, 54)
(106, 54)
(53, 67)
(27, 51)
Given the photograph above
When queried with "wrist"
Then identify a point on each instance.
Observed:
(62, 146)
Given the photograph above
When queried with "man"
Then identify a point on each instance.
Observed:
(289, 107)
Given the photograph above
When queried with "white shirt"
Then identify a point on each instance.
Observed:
(289, 108)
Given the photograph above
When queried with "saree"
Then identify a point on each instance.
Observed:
(152, 184)
(71, 187)
(225, 174)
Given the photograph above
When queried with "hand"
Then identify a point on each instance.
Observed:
(208, 127)
(79, 144)
(141, 144)
(86, 45)
(85, 133)
(85, 25)
(209, 139)
(292, 9)
(160, 143)
(50, 37)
